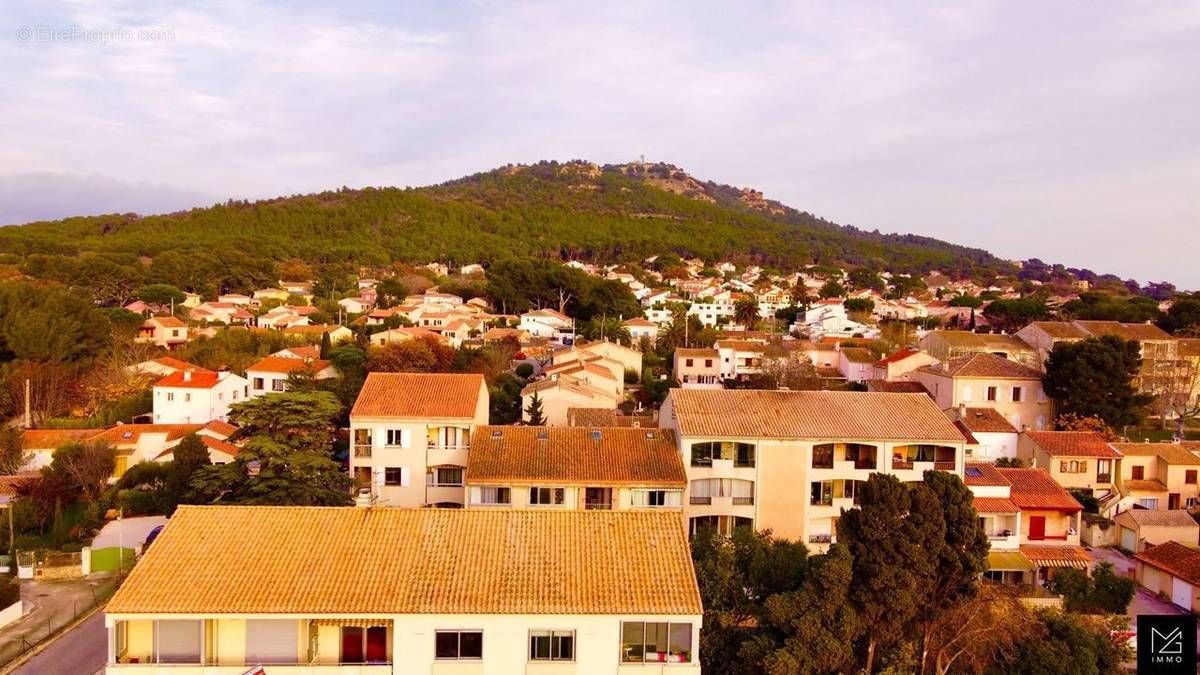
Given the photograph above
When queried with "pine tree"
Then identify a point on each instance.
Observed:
(534, 411)
(326, 346)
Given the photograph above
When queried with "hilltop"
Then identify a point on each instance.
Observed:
(556, 210)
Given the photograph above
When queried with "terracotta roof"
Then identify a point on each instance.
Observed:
(199, 379)
(50, 439)
(606, 417)
(967, 339)
(1156, 518)
(1073, 444)
(811, 414)
(987, 421)
(962, 429)
(683, 352)
(575, 455)
(985, 365)
(9, 482)
(995, 505)
(1061, 330)
(1172, 453)
(318, 329)
(1057, 556)
(418, 395)
(896, 387)
(224, 428)
(1189, 347)
(1009, 561)
(1127, 331)
(983, 474)
(741, 345)
(210, 443)
(302, 352)
(175, 363)
(167, 321)
(1144, 485)
(285, 364)
(1035, 489)
(898, 356)
(379, 561)
(1175, 559)
(858, 355)
(125, 434)
(640, 322)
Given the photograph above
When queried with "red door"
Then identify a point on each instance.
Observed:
(1037, 527)
(377, 644)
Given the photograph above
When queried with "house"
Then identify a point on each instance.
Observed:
(789, 461)
(235, 299)
(220, 451)
(547, 323)
(409, 590)
(269, 294)
(603, 417)
(985, 380)
(1076, 460)
(944, 345)
(1173, 571)
(1159, 350)
(856, 364)
(217, 312)
(1139, 529)
(572, 385)
(335, 332)
(1158, 475)
(300, 352)
(829, 318)
(163, 365)
(697, 368)
(270, 373)
(458, 331)
(592, 370)
(197, 396)
(739, 359)
(400, 335)
(612, 356)
(137, 443)
(641, 328)
(995, 437)
(167, 332)
(409, 434)
(38, 445)
(901, 365)
(575, 468)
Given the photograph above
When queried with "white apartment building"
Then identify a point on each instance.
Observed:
(196, 396)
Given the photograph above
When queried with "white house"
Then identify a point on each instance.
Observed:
(270, 374)
(197, 396)
(546, 323)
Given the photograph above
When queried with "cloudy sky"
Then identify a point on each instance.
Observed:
(1067, 131)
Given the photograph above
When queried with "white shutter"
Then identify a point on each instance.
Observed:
(404, 470)
(272, 641)
(405, 441)
(967, 393)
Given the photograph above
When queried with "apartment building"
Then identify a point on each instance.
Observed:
(789, 461)
(1076, 460)
(575, 468)
(697, 368)
(986, 380)
(944, 345)
(197, 396)
(391, 591)
(739, 359)
(409, 435)
(1158, 476)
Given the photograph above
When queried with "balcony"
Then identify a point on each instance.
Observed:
(743, 501)
(901, 464)
(296, 669)
(700, 501)
(949, 465)
(362, 450)
(820, 538)
(597, 506)
(1104, 478)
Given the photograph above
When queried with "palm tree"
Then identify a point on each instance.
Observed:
(673, 334)
(745, 312)
(605, 328)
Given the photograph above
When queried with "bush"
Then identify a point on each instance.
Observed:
(524, 371)
(10, 591)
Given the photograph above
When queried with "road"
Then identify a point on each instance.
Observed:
(81, 650)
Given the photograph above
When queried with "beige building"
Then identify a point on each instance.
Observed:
(1171, 570)
(1163, 366)
(697, 368)
(1076, 460)
(167, 332)
(944, 345)
(985, 380)
(384, 591)
(1139, 529)
(575, 468)
(572, 385)
(901, 365)
(1159, 475)
(994, 437)
(409, 435)
(790, 461)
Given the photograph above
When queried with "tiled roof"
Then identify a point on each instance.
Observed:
(896, 387)
(284, 364)
(1061, 330)
(167, 321)
(1057, 556)
(962, 429)
(210, 443)
(1144, 485)
(380, 561)
(898, 356)
(198, 379)
(302, 352)
(224, 428)
(1126, 331)
(49, 439)
(1034, 489)
(987, 421)
(9, 482)
(995, 505)
(1172, 453)
(683, 352)
(741, 413)
(1009, 561)
(125, 434)
(969, 340)
(605, 417)
(176, 363)
(1174, 559)
(1156, 518)
(986, 365)
(1073, 444)
(858, 355)
(418, 395)
(575, 455)
(983, 474)
(741, 345)
(1189, 347)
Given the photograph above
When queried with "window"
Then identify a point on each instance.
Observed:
(458, 644)
(178, 641)
(544, 496)
(1139, 472)
(991, 393)
(1150, 503)
(170, 396)
(656, 642)
(687, 362)
(272, 641)
(653, 498)
(708, 363)
(277, 384)
(395, 476)
(551, 645)
(1016, 394)
(395, 437)
(491, 496)
(446, 476)
(822, 493)
(187, 397)
(258, 384)
(822, 456)
(967, 393)
(1189, 476)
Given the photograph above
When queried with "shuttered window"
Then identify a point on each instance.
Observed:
(272, 641)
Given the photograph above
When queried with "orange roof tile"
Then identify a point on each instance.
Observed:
(224, 428)
(898, 356)
(985, 366)
(379, 561)
(198, 379)
(50, 439)
(896, 387)
(987, 421)
(1174, 559)
(1034, 489)
(418, 395)
(1172, 453)
(846, 415)
(1126, 331)
(284, 364)
(858, 355)
(575, 455)
(995, 505)
(606, 417)
(124, 434)
(1057, 556)
(983, 474)
(176, 363)
(1144, 485)
(1073, 444)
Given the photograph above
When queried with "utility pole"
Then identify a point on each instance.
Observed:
(28, 410)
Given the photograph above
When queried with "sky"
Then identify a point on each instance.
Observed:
(1066, 131)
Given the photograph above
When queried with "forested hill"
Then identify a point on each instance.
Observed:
(571, 210)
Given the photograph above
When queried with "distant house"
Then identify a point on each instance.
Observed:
(996, 438)
(163, 331)
(901, 365)
(270, 374)
(945, 345)
(401, 334)
(856, 364)
(197, 396)
(1077, 460)
(354, 305)
(336, 333)
(1171, 569)
(986, 380)
(1159, 475)
(697, 368)
(641, 328)
(547, 323)
(163, 365)
(1139, 529)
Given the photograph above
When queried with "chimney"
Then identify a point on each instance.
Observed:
(962, 411)
(187, 375)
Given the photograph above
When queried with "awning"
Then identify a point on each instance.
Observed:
(1058, 556)
(1009, 561)
(353, 623)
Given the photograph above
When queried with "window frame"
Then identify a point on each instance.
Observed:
(557, 496)
(552, 634)
(687, 654)
(458, 644)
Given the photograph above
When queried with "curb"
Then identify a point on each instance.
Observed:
(45, 644)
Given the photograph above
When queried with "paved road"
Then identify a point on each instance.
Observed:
(82, 651)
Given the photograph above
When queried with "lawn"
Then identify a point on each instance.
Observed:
(105, 559)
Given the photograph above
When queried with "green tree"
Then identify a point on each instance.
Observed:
(1104, 592)
(86, 466)
(859, 305)
(863, 279)
(190, 456)
(533, 412)
(287, 458)
(1183, 317)
(745, 312)
(1062, 643)
(161, 294)
(326, 346)
(1013, 315)
(1094, 378)
(831, 289)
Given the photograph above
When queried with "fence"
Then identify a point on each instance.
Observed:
(49, 565)
(40, 626)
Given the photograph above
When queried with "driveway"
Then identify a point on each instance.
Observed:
(130, 531)
(53, 604)
(1144, 602)
(82, 650)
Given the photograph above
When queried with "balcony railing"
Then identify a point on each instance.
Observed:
(699, 500)
(944, 465)
(597, 506)
(1104, 478)
(865, 465)
(438, 445)
(821, 502)
(898, 464)
(820, 538)
(743, 463)
(743, 501)
(362, 451)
